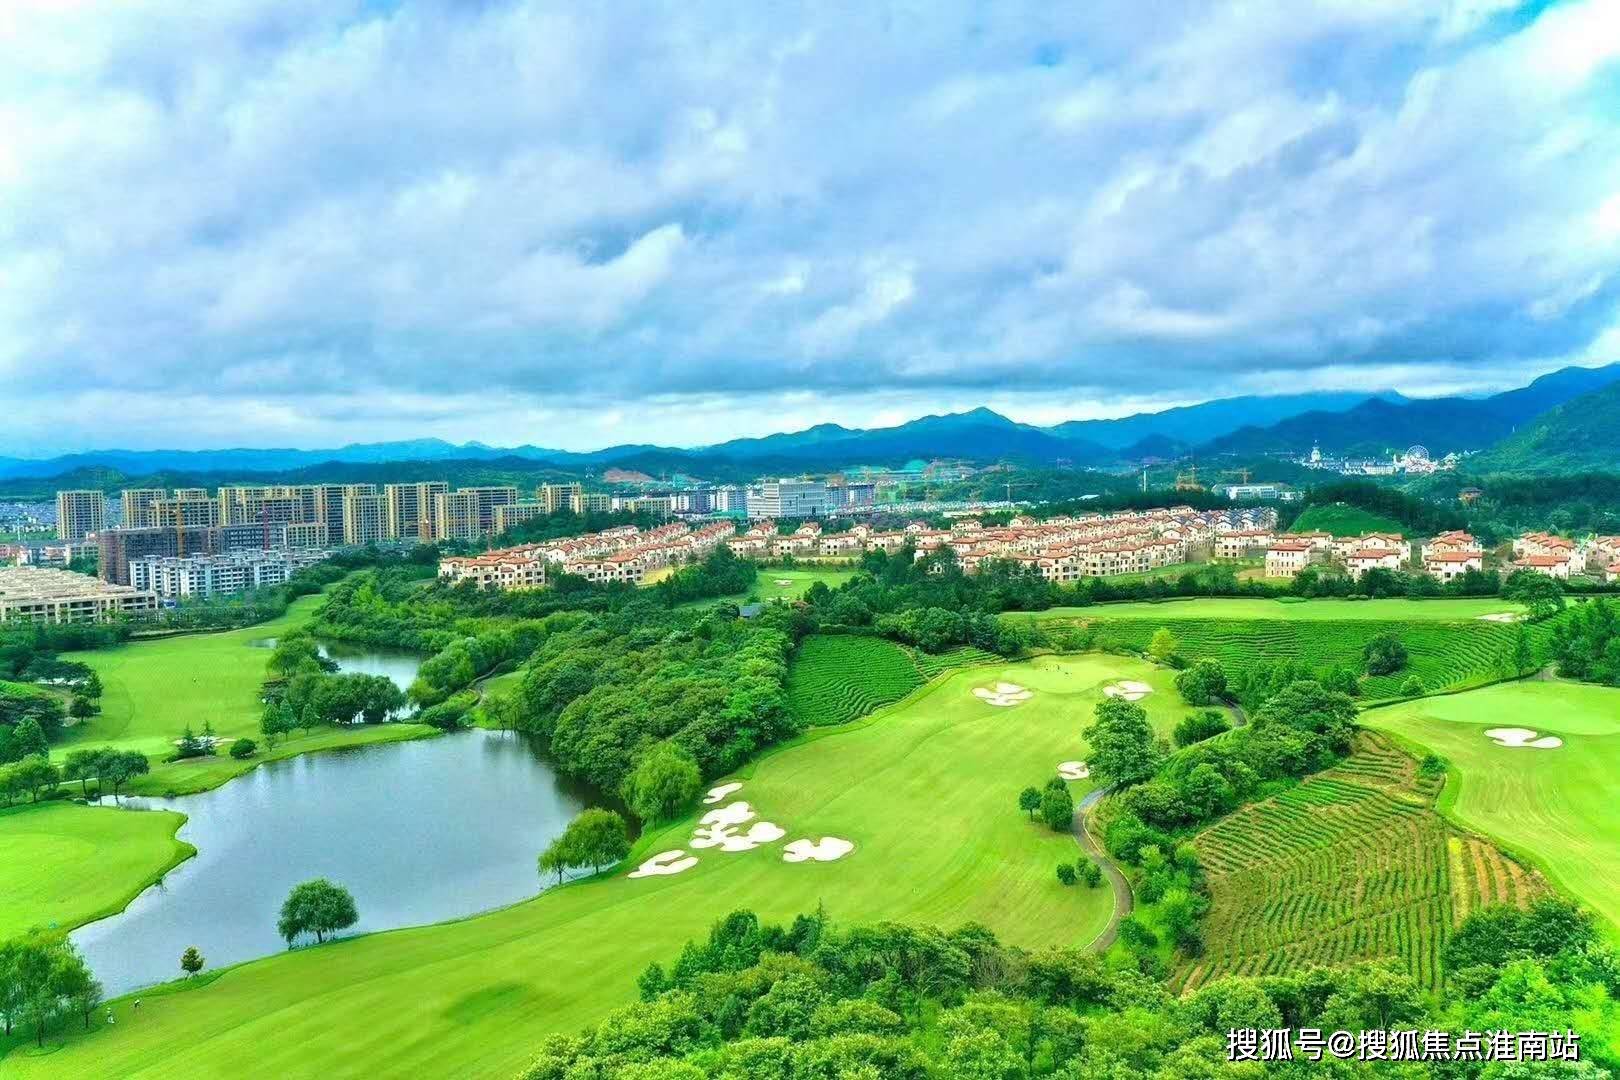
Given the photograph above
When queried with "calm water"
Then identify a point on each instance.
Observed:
(418, 831)
(399, 665)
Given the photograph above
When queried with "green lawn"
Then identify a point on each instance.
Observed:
(1554, 806)
(154, 688)
(927, 790)
(799, 580)
(1443, 610)
(63, 864)
(1341, 519)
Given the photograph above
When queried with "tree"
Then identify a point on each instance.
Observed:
(1164, 645)
(1090, 873)
(1412, 687)
(91, 686)
(119, 767)
(82, 708)
(243, 748)
(28, 739)
(1523, 658)
(1029, 801)
(1202, 684)
(1057, 806)
(1384, 655)
(316, 907)
(1308, 706)
(275, 721)
(1542, 595)
(191, 961)
(1066, 873)
(600, 838)
(35, 775)
(664, 782)
(1199, 726)
(39, 977)
(1123, 750)
(81, 765)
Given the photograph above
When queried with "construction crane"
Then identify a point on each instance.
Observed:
(1020, 484)
(1188, 480)
(1241, 474)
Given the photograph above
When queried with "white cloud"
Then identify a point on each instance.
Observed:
(321, 218)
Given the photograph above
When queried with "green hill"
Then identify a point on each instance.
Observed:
(1579, 435)
(1344, 520)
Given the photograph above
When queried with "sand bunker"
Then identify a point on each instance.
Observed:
(1074, 770)
(784, 582)
(1518, 736)
(1002, 694)
(730, 814)
(1500, 616)
(1129, 689)
(665, 863)
(727, 838)
(830, 849)
(717, 793)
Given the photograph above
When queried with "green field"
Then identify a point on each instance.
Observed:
(64, 864)
(926, 790)
(1450, 646)
(154, 688)
(1553, 806)
(799, 579)
(1353, 864)
(1341, 519)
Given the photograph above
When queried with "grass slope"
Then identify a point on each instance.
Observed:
(1450, 647)
(1341, 519)
(152, 689)
(63, 864)
(765, 587)
(837, 678)
(1353, 864)
(926, 790)
(1555, 806)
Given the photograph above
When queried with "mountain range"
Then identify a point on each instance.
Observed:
(1373, 422)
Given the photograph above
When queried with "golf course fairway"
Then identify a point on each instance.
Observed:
(64, 864)
(927, 791)
(1554, 806)
(155, 688)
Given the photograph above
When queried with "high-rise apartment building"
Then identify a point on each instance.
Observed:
(597, 502)
(365, 516)
(185, 509)
(517, 513)
(469, 513)
(137, 504)
(80, 513)
(191, 493)
(411, 509)
(555, 497)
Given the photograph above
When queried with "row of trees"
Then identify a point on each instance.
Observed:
(819, 999)
(36, 777)
(42, 980)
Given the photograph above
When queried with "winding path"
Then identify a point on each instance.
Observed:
(1124, 901)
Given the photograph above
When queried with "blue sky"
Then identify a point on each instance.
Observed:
(308, 222)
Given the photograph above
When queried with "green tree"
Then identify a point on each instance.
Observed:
(1057, 807)
(35, 775)
(1523, 656)
(119, 767)
(243, 748)
(316, 907)
(1123, 749)
(1198, 726)
(1029, 801)
(82, 708)
(1384, 655)
(1412, 687)
(601, 837)
(191, 961)
(28, 738)
(1164, 645)
(1066, 873)
(1542, 595)
(1090, 873)
(82, 765)
(1202, 684)
(664, 782)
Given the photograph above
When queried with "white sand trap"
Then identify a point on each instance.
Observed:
(1003, 694)
(784, 582)
(1074, 770)
(727, 838)
(1129, 689)
(830, 849)
(1518, 736)
(736, 813)
(717, 793)
(1499, 616)
(665, 863)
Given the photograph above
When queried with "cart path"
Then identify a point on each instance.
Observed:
(1124, 902)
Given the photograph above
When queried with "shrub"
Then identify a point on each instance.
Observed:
(1384, 655)
(243, 748)
(1202, 684)
(1412, 687)
(1091, 874)
(1057, 807)
(1066, 874)
(1200, 726)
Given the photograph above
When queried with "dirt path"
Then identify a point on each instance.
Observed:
(1124, 902)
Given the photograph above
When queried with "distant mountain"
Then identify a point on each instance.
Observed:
(1191, 424)
(1445, 424)
(1582, 435)
(245, 460)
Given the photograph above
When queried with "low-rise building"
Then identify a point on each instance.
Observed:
(1553, 566)
(1360, 561)
(41, 595)
(1287, 558)
(1443, 566)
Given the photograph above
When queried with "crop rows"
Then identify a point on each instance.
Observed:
(1442, 655)
(932, 664)
(1353, 864)
(834, 679)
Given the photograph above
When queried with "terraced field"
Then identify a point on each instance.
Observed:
(837, 678)
(1445, 655)
(1353, 864)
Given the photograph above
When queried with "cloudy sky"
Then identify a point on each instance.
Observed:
(309, 222)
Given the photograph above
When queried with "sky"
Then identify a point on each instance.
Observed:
(314, 222)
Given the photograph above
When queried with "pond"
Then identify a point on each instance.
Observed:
(418, 831)
(400, 665)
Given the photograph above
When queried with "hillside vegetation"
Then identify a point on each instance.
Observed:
(1579, 435)
(1341, 519)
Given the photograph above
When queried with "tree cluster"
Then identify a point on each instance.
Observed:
(42, 980)
(1586, 644)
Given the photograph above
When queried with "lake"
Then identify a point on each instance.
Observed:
(418, 831)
